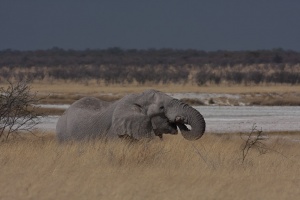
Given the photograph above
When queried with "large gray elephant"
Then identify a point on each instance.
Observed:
(160, 124)
(135, 116)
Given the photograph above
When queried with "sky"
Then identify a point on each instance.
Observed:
(207, 25)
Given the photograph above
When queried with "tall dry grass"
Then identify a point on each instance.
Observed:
(210, 168)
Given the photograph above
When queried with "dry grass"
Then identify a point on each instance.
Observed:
(210, 168)
(49, 111)
(71, 98)
(95, 89)
(267, 100)
(68, 92)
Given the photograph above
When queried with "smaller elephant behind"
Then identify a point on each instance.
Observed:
(161, 125)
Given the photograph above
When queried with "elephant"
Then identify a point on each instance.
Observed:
(161, 125)
(137, 116)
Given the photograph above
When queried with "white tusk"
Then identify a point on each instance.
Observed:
(188, 126)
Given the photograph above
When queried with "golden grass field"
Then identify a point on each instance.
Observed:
(63, 92)
(210, 168)
(77, 88)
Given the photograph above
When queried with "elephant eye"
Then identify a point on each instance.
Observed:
(161, 108)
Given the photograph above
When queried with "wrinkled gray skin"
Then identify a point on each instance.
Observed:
(136, 116)
(160, 124)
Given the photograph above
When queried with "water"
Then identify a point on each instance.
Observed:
(230, 119)
(48, 123)
(224, 119)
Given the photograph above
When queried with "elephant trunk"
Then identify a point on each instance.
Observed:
(185, 114)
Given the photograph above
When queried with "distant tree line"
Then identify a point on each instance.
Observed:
(117, 56)
(118, 66)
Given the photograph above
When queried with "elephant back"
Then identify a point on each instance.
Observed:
(91, 103)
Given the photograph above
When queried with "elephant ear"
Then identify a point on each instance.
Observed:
(131, 120)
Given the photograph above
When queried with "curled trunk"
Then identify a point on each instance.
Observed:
(185, 114)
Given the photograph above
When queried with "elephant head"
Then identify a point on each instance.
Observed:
(133, 114)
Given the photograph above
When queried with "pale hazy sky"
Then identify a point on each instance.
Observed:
(141, 24)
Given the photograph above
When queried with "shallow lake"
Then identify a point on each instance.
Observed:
(224, 119)
(230, 119)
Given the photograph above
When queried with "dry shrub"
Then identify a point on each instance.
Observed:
(17, 109)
